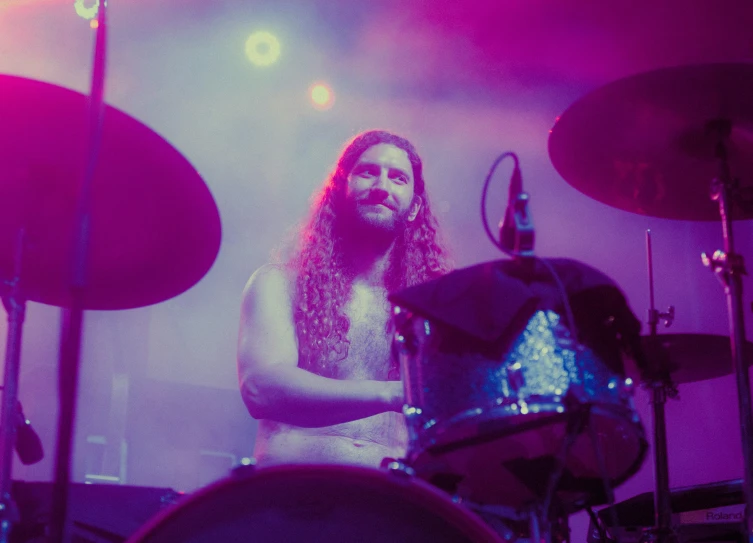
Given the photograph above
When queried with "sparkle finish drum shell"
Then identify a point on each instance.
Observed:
(491, 427)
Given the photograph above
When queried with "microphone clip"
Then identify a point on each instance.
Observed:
(516, 233)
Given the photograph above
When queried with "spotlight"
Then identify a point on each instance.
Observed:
(321, 96)
(262, 48)
(86, 10)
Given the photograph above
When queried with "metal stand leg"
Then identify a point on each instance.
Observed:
(540, 513)
(659, 382)
(15, 305)
(608, 489)
(576, 422)
(729, 268)
(663, 497)
(8, 512)
(662, 531)
(534, 521)
(72, 316)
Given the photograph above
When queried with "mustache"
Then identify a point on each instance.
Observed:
(376, 199)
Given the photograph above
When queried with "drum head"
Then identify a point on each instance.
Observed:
(317, 504)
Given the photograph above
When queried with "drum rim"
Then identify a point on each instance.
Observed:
(460, 517)
(540, 414)
(428, 446)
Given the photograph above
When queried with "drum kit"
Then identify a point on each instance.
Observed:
(518, 406)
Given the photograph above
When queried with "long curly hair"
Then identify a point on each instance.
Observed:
(322, 285)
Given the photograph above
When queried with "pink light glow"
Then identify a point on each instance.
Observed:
(322, 96)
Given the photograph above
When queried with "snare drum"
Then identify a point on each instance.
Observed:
(317, 504)
(503, 428)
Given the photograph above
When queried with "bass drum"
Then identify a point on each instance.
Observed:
(317, 504)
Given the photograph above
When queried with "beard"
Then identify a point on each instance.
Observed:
(371, 220)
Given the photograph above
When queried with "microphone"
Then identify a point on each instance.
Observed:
(516, 231)
(28, 445)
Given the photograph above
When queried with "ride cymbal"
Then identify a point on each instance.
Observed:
(648, 143)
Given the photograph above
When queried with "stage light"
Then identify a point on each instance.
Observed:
(321, 96)
(262, 48)
(86, 11)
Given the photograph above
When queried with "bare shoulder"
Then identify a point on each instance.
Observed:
(269, 280)
(267, 333)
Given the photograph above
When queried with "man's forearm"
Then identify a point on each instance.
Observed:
(295, 396)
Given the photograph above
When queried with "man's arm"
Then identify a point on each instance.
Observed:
(274, 387)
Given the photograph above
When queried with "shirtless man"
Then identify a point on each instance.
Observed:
(314, 358)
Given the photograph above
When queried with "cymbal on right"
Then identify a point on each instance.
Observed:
(647, 143)
(698, 357)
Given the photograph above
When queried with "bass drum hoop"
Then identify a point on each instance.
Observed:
(218, 511)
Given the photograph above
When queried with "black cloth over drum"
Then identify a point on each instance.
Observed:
(489, 304)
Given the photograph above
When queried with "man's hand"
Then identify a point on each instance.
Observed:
(395, 395)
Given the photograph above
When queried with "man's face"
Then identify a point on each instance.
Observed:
(380, 191)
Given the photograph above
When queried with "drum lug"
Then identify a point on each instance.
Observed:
(243, 470)
(516, 380)
(415, 416)
(397, 467)
(629, 386)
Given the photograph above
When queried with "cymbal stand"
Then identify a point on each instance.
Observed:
(72, 318)
(540, 513)
(661, 387)
(15, 305)
(729, 268)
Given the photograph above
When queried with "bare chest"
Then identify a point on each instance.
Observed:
(369, 341)
(365, 441)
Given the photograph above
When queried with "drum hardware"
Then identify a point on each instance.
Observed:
(243, 470)
(514, 525)
(651, 144)
(533, 385)
(609, 497)
(519, 422)
(76, 279)
(15, 306)
(708, 512)
(729, 268)
(28, 445)
(397, 467)
(687, 358)
(659, 382)
(134, 228)
(540, 514)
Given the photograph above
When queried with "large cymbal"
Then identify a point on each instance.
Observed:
(698, 357)
(643, 143)
(155, 229)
